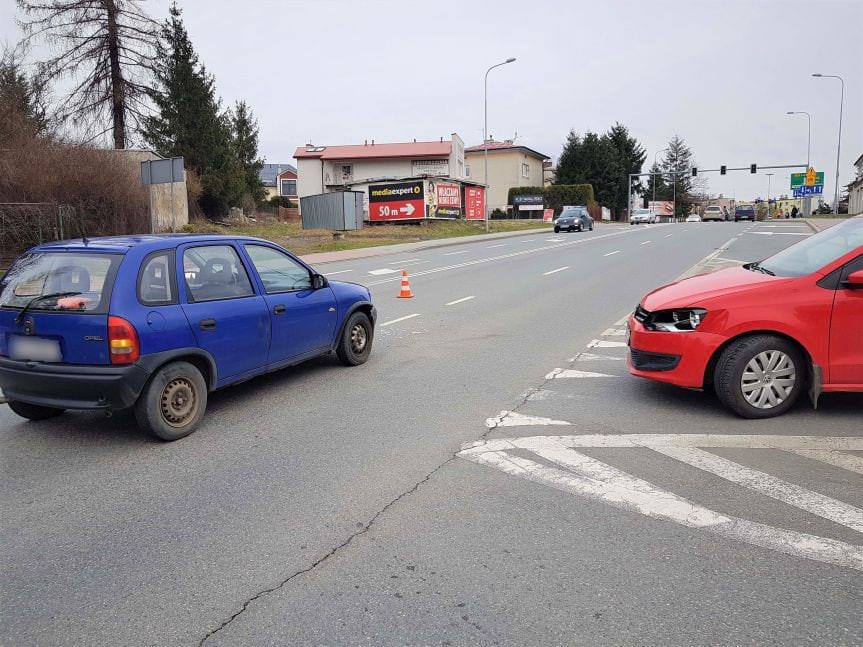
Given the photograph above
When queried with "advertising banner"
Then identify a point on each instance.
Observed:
(448, 200)
(548, 215)
(474, 203)
(397, 201)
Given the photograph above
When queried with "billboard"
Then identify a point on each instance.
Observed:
(474, 198)
(448, 199)
(397, 201)
(661, 207)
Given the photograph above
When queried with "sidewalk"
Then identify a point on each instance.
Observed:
(820, 224)
(383, 250)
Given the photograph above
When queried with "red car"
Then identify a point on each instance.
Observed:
(763, 333)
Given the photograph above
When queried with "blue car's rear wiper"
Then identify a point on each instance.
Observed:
(42, 297)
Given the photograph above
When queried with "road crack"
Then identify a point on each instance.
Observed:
(272, 589)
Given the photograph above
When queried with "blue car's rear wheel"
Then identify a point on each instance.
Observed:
(356, 342)
(173, 402)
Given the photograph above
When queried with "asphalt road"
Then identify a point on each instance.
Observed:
(331, 506)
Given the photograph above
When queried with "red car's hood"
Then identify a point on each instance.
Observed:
(697, 290)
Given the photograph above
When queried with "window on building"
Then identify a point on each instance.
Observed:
(467, 170)
(289, 187)
(525, 170)
(347, 170)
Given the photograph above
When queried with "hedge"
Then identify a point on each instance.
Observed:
(556, 196)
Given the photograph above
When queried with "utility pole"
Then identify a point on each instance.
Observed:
(485, 133)
(654, 177)
(769, 175)
(807, 201)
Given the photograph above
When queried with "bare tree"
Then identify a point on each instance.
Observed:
(106, 48)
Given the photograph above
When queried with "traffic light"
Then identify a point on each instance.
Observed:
(694, 171)
(722, 170)
(753, 168)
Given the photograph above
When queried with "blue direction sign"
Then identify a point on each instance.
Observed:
(803, 191)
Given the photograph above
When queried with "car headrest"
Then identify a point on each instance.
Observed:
(217, 270)
(69, 278)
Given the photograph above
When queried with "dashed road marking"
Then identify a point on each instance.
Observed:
(559, 269)
(577, 473)
(407, 260)
(393, 321)
(515, 419)
(464, 251)
(562, 373)
(462, 300)
(336, 272)
(383, 270)
(604, 343)
(500, 245)
(647, 242)
(617, 251)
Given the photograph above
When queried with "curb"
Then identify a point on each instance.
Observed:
(398, 248)
(811, 225)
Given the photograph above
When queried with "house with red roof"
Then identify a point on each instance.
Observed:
(509, 165)
(401, 180)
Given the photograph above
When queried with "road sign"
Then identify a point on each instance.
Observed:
(803, 191)
(400, 201)
(810, 178)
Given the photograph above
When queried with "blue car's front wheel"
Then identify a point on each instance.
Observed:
(355, 344)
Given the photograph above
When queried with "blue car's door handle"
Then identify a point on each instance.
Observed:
(208, 324)
(279, 309)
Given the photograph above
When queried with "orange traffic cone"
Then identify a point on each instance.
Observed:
(406, 287)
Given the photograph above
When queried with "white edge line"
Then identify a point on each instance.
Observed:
(392, 321)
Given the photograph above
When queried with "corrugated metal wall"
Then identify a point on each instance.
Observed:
(338, 211)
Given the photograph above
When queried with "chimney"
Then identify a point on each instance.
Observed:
(373, 142)
(441, 139)
(366, 143)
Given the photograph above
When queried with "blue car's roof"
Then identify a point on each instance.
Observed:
(121, 244)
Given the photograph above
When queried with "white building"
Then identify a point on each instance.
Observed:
(855, 190)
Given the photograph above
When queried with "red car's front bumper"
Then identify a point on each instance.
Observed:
(678, 358)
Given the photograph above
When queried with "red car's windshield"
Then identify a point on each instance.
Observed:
(815, 252)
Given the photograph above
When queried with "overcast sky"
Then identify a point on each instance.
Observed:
(720, 73)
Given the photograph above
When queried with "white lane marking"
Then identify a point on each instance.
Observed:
(759, 233)
(555, 240)
(838, 459)
(384, 270)
(464, 251)
(529, 240)
(393, 321)
(818, 504)
(500, 245)
(515, 419)
(407, 260)
(612, 253)
(791, 233)
(647, 242)
(669, 235)
(562, 373)
(336, 272)
(489, 259)
(594, 479)
(452, 303)
(590, 357)
(602, 343)
(614, 332)
(559, 269)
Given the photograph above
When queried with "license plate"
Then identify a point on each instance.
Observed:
(36, 349)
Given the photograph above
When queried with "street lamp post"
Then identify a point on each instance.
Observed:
(839, 142)
(808, 137)
(485, 132)
(769, 175)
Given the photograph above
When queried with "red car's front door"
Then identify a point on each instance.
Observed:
(846, 332)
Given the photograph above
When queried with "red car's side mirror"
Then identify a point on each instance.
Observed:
(854, 281)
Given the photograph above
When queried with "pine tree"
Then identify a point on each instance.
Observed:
(106, 48)
(628, 158)
(656, 187)
(23, 112)
(189, 121)
(678, 163)
(244, 130)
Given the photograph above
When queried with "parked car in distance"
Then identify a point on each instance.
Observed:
(693, 217)
(744, 212)
(643, 217)
(762, 334)
(713, 212)
(155, 323)
(573, 219)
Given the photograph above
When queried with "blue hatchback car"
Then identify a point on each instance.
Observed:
(156, 322)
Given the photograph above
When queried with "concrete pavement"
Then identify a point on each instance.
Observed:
(324, 505)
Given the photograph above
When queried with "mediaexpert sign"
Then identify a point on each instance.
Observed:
(448, 200)
(474, 197)
(398, 201)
